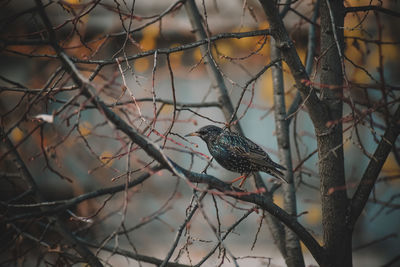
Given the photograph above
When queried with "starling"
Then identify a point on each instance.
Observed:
(237, 153)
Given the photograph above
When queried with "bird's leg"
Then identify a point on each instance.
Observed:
(242, 177)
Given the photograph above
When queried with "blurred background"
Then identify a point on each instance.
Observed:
(81, 146)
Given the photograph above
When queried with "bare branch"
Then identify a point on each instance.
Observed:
(373, 169)
(130, 254)
(317, 109)
(61, 227)
(294, 256)
(390, 12)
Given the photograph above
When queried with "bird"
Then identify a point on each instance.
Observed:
(237, 153)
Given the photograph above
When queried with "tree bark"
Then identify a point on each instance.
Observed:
(334, 201)
(276, 228)
(294, 255)
(317, 110)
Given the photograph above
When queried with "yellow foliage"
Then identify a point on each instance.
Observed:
(16, 135)
(85, 128)
(76, 48)
(267, 91)
(247, 42)
(106, 158)
(346, 144)
(278, 200)
(149, 38)
(176, 58)
(285, 68)
(27, 49)
(263, 25)
(289, 82)
(266, 49)
(225, 48)
(301, 51)
(390, 165)
(391, 168)
(350, 22)
(167, 109)
(359, 76)
(354, 54)
(288, 100)
(73, 2)
(197, 55)
(305, 249)
(151, 31)
(74, 44)
(314, 215)
(373, 59)
(243, 29)
(141, 64)
(390, 51)
(147, 43)
(359, 2)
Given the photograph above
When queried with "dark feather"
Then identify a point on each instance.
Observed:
(238, 153)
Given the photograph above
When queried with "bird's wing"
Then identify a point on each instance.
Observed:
(246, 148)
(257, 155)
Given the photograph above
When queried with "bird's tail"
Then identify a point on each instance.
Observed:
(276, 165)
(277, 174)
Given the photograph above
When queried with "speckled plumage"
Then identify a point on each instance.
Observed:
(238, 153)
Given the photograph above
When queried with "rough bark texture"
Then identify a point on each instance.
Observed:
(294, 255)
(337, 236)
(323, 101)
(318, 111)
(373, 169)
(325, 112)
(276, 228)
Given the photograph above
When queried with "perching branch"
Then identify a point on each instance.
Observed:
(91, 91)
(155, 152)
(228, 110)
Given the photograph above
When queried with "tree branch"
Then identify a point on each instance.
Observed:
(372, 8)
(337, 237)
(311, 49)
(55, 207)
(229, 111)
(130, 254)
(317, 110)
(373, 169)
(149, 99)
(60, 226)
(294, 256)
(156, 153)
(180, 230)
(153, 151)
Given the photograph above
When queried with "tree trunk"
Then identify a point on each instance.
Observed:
(294, 255)
(334, 201)
(276, 228)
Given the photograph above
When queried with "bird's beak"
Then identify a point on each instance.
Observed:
(193, 134)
